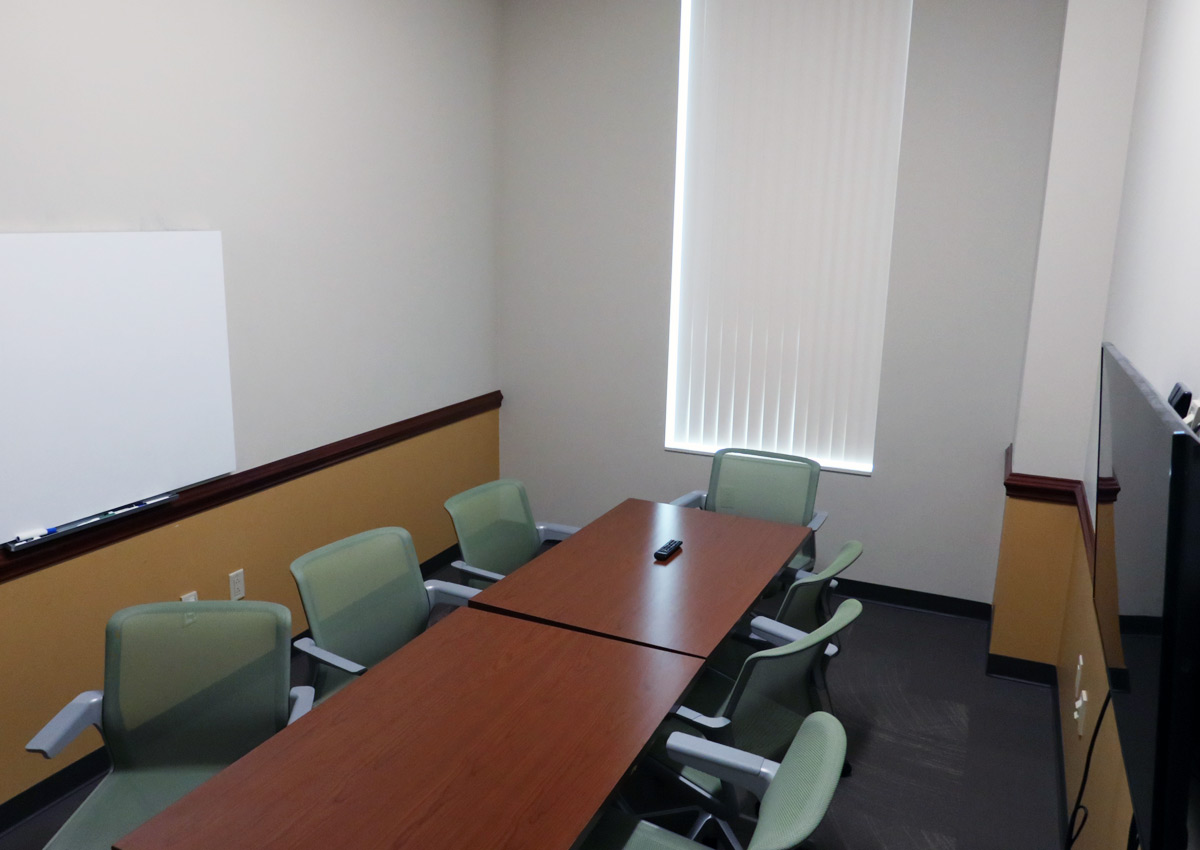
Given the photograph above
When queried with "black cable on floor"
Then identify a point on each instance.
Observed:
(1074, 830)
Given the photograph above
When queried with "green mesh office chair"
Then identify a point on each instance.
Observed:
(795, 793)
(759, 712)
(764, 485)
(364, 599)
(496, 530)
(805, 608)
(774, 691)
(189, 687)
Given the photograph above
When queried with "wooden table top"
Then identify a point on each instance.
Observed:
(485, 731)
(604, 579)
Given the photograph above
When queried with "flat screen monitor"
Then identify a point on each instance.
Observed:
(1147, 594)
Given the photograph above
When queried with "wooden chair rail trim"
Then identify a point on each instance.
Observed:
(1063, 491)
(229, 488)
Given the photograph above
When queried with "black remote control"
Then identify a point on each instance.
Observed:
(668, 549)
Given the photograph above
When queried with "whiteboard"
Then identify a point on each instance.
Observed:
(114, 369)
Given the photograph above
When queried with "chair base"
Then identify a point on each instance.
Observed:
(703, 819)
(726, 830)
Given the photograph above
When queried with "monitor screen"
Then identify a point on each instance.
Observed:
(1146, 576)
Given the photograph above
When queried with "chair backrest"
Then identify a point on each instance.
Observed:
(775, 689)
(803, 787)
(802, 607)
(364, 599)
(194, 683)
(495, 525)
(763, 485)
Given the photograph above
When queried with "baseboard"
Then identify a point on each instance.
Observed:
(921, 601)
(1022, 670)
(440, 560)
(53, 788)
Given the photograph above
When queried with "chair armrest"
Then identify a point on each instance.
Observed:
(746, 770)
(64, 727)
(701, 721)
(818, 517)
(778, 634)
(448, 593)
(307, 646)
(477, 572)
(555, 531)
(300, 702)
(694, 499)
(774, 632)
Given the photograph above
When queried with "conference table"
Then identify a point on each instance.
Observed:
(604, 579)
(501, 726)
(484, 731)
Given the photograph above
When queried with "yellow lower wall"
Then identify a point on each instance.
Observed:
(1037, 545)
(1107, 794)
(52, 621)
(1042, 611)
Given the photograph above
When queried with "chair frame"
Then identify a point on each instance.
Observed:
(700, 498)
(87, 709)
(436, 593)
(716, 729)
(755, 774)
(546, 531)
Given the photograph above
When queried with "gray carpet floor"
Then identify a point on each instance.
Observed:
(944, 757)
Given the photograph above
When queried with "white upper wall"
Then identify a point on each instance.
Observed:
(587, 130)
(1155, 294)
(343, 149)
(1097, 80)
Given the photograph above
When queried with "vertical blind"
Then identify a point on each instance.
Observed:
(786, 163)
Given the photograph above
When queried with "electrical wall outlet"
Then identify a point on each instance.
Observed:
(237, 584)
(190, 596)
(1078, 677)
(1080, 713)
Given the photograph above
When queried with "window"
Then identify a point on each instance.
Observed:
(785, 188)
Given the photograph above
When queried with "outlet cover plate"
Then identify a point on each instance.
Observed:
(237, 584)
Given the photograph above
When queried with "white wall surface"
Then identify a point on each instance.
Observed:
(1098, 77)
(1155, 296)
(344, 148)
(586, 152)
